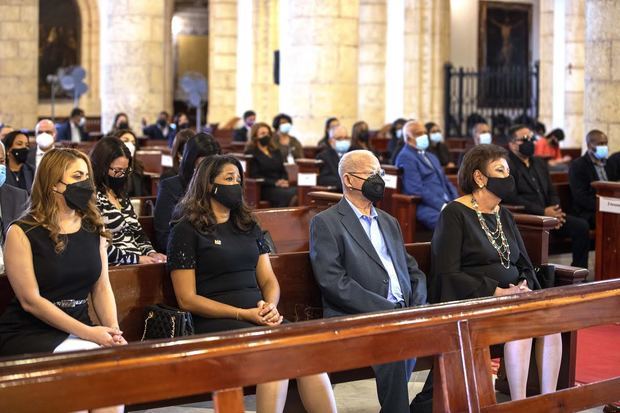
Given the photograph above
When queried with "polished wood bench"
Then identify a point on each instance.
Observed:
(462, 333)
(288, 227)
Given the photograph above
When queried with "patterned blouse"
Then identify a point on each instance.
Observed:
(129, 241)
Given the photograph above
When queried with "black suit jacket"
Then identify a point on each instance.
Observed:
(581, 174)
(13, 203)
(526, 193)
(63, 132)
(168, 195)
(28, 177)
(241, 134)
(613, 167)
(328, 174)
(349, 271)
(155, 132)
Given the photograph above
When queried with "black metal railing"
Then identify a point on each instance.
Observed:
(501, 96)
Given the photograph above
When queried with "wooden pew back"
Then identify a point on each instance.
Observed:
(462, 333)
(288, 227)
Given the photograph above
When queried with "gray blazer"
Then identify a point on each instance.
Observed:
(348, 269)
(13, 203)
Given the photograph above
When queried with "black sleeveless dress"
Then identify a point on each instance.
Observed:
(225, 264)
(69, 275)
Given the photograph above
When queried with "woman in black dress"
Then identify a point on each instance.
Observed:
(268, 164)
(221, 272)
(477, 251)
(55, 256)
(20, 173)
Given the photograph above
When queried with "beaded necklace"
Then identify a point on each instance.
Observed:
(497, 237)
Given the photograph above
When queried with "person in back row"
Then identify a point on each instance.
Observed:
(480, 134)
(337, 145)
(13, 202)
(221, 273)
(172, 189)
(535, 191)
(241, 134)
(330, 123)
(268, 164)
(360, 263)
(129, 245)
(288, 145)
(20, 173)
(423, 175)
(586, 169)
(437, 145)
(74, 128)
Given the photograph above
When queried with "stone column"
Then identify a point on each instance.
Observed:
(574, 75)
(136, 56)
(372, 62)
(546, 62)
(319, 64)
(266, 41)
(427, 49)
(19, 57)
(222, 60)
(602, 70)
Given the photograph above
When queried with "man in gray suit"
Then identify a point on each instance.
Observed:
(361, 265)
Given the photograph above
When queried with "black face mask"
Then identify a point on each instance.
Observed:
(503, 188)
(117, 184)
(162, 123)
(228, 195)
(373, 188)
(364, 136)
(78, 194)
(527, 148)
(265, 140)
(123, 125)
(183, 125)
(20, 155)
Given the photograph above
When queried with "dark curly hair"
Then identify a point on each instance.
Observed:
(195, 206)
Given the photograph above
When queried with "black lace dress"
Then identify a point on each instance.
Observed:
(69, 275)
(225, 264)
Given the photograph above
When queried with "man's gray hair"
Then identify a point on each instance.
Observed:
(406, 125)
(354, 161)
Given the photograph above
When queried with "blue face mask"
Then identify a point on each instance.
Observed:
(342, 146)
(285, 128)
(422, 142)
(486, 138)
(436, 137)
(601, 152)
(2, 174)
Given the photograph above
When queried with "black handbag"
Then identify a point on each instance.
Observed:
(163, 321)
(545, 275)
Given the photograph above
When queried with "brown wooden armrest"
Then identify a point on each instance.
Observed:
(534, 230)
(252, 190)
(514, 208)
(566, 275)
(538, 221)
(404, 209)
(323, 198)
(406, 199)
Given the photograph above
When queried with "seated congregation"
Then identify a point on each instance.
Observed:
(67, 217)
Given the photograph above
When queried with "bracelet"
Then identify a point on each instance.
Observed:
(237, 315)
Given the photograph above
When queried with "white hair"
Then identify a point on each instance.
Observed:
(406, 125)
(354, 161)
(38, 125)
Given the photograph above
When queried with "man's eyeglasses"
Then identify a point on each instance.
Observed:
(525, 138)
(380, 172)
(120, 172)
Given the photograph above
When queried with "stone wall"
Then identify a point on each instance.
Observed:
(319, 64)
(546, 62)
(19, 40)
(265, 32)
(602, 70)
(136, 55)
(222, 60)
(372, 62)
(575, 83)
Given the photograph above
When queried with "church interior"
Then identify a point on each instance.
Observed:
(355, 132)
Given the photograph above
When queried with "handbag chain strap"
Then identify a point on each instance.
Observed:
(145, 324)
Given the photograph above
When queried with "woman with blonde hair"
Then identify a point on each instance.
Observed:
(55, 256)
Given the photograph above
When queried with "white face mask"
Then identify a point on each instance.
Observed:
(45, 140)
(131, 147)
(486, 138)
(82, 121)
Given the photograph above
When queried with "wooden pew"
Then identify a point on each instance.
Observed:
(288, 227)
(144, 205)
(252, 186)
(308, 172)
(607, 230)
(462, 335)
(148, 225)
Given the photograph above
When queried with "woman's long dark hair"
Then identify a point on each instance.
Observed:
(195, 206)
(200, 145)
(105, 151)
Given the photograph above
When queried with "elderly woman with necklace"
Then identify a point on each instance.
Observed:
(477, 251)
